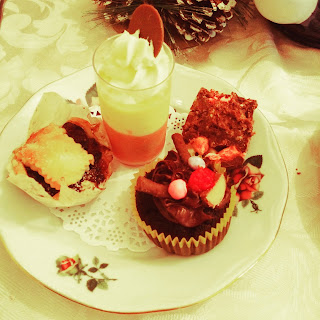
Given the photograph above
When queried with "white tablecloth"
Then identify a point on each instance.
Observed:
(44, 40)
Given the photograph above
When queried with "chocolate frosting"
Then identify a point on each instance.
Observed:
(189, 211)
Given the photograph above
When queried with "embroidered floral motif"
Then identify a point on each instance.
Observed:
(68, 266)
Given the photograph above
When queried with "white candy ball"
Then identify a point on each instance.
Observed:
(286, 11)
(196, 162)
(178, 189)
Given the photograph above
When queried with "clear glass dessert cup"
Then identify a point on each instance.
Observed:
(135, 119)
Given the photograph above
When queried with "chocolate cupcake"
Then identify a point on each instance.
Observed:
(183, 204)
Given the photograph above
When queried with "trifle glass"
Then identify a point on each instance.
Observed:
(134, 90)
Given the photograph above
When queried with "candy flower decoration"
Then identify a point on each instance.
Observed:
(286, 11)
(247, 181)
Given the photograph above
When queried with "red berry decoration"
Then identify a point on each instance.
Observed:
(202, 179)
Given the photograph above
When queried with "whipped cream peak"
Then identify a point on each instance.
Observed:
(130, 63)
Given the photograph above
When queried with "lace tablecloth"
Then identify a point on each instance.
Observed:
(44, 40)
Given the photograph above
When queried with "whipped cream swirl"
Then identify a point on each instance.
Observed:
(130, 63)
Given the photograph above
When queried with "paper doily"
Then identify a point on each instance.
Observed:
(107, 221)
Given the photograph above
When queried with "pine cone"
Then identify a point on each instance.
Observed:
(116, 11)
(196, 21)
(199, 20)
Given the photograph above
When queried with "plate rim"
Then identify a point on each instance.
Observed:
(274, 139)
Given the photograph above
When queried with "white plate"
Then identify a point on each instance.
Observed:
(145, 281)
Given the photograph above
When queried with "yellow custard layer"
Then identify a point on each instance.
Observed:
(134, 87)
(140, 113)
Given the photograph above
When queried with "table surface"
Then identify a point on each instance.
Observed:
(43, 41)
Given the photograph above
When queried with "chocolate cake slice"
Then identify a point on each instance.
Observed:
(225, 120)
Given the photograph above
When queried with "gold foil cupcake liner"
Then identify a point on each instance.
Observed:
(184, 247)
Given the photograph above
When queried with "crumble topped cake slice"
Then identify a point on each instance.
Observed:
(65, 160)
(225, 120)
(51, 149)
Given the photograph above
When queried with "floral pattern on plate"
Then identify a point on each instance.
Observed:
(75, 268)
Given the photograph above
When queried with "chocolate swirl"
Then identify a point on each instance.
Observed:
(189, 211)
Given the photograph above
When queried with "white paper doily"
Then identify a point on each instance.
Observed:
(108, 221)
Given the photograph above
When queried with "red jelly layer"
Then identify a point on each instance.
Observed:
(136, 150)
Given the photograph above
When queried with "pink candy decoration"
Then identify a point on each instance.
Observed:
(177, 189)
